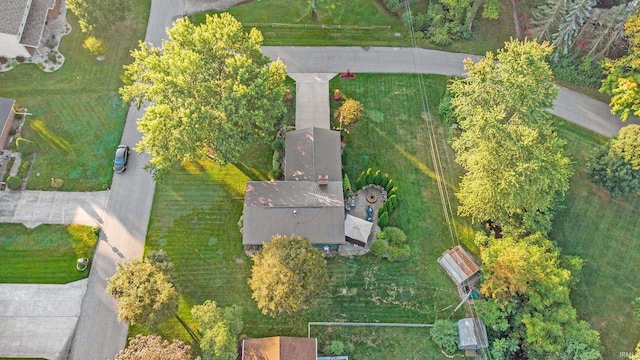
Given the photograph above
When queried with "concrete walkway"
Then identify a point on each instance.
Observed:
(33, 208)
(38, 321)
(570, 105)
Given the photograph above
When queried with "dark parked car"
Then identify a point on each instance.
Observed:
(120, 161)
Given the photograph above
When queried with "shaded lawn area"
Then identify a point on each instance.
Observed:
(606, 233)
(78, 115)
(46, 254)
(354, 12)
(196, 210)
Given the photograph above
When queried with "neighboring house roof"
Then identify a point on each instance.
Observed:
(12, 15)
(34, 27)
(311, 152)
(6, 105)
(472, 334)
(303, 208)
(279, 348)
(458, 264)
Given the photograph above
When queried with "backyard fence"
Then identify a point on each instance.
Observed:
(319, 26)
(309, 324)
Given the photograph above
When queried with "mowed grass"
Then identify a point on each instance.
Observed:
(606, 233)
(78, 115)
(364, 13)
(46, 254)
(196, 210)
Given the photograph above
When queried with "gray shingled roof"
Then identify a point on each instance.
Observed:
(5, 110)
(35, 22)
(303, 208)
(12, 14)
(311, 152)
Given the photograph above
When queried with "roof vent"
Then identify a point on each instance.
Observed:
(323, 179)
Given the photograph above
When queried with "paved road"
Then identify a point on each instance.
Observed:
(569, 105)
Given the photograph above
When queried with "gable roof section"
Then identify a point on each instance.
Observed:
(311, 152)
(35, 22)
(302, 208)
(458, 264)
(6, 105)
(13, 14)
(279, 348)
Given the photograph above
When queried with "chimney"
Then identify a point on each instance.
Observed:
(323, 179)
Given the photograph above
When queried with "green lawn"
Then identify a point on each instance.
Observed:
(46, 254)
(196, 209)
(78, 116)
(606, 233)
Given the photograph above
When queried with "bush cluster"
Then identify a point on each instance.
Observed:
(14, 182)
(369, 177)
(392, 244)
(25, 146)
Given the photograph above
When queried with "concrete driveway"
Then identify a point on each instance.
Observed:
(38, 321)
(33, 208)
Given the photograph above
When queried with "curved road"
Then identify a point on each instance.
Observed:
(99, 335)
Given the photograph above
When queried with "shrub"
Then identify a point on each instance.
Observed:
(636, 307)
(393, 200)
(360, 182)
(25, 146)
(20, 59)
(393, 191)
(277, 144)
(24, 168)
(350, 111)
(52, 57)
(377, 177)
(275, 174)
(383, 220)
(399, 253)
(94, 45)
(396, 236)
(384, 180)
(57, 184)
(14, 182)
(3, 60)
(382, 209)
(382, 235)
(380, 248)
(346, 186)
(445, 334)
(369, 177)
(50, 43)
(389, 186)
(335, 348)
(275, 163)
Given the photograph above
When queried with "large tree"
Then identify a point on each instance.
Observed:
(210, 91)
(153, 347)
(144, 292)
(616, 165)
(287, 276)
(220, 329)
(623, 74)
(516, 165)
(98, 16)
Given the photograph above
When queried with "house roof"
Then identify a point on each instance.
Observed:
(311, 152)
(6, 105)
(472, 334)
(12, 15)
(279, 348)
(35, 22)
(303, 208)
(458, 264)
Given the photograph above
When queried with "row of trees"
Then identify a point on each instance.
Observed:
(516, 174)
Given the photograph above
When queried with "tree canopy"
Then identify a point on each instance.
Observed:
(516, 165)
(623, 74)
(287, 276)
(220, 329)
(143, 292)
(153, 347)
(616, 165)
(209, 91)
(98, 16)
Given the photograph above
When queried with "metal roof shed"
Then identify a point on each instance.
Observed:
(473, 334)
(458, 264)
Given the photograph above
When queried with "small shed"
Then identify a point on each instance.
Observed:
(458, 264)
(356, 230)
(473, 334)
